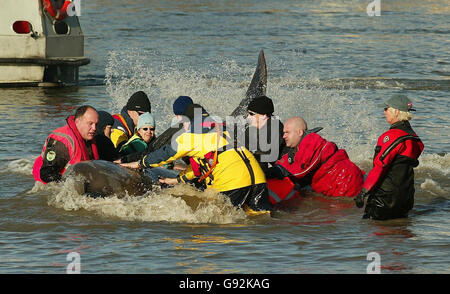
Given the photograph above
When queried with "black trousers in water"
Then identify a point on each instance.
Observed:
(256, 197)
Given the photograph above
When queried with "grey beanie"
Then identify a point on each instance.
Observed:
(146, 120)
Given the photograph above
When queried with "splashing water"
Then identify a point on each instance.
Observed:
(182, 203)
(345, 119)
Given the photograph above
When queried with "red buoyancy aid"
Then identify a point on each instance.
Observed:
(333, 172)
(392, 143)
(281, 190)
(201, 166)
(75, 144)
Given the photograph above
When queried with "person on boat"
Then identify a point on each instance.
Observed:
(389, 185)
(144, 134)
(126, 121)
(105, 147)
(317, 162)
(68, 145)
(264, 136)
(230, 170)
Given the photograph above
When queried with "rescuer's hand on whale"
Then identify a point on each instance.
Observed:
(168, 181)
(134, 165)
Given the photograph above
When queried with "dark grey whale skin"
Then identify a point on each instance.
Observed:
(100, 178)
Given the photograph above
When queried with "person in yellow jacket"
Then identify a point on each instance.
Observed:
(229, 169)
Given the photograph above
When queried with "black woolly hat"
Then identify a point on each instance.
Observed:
(192, 109)
(139, 102)
(261, 105)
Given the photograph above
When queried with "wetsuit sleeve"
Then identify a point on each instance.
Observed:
(159, 157)
(166, 154)
(186, 175)
(133, 157)
(106, 149)
(277, 171)
(55, 158)
(380, 167)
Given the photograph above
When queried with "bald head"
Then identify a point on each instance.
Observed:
(297, 123)
(293, 131)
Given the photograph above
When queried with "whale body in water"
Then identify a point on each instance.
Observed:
(100, 178)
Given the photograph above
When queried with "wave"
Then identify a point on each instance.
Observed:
(182, 203)
(434, 188)
(185, 204)
(378, 83)
(435, 163)
(22, 166)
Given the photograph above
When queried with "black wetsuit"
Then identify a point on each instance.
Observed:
(265, 151)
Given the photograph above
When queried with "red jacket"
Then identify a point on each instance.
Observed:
(390, 182)
(325, 167)
(391, 145)
(75, 144)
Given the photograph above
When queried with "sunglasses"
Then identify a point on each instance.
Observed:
(386, 108)
(146, 129)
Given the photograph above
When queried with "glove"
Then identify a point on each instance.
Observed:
(359, 200)
(274, 172)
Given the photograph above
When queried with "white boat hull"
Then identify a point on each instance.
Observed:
(49, 54)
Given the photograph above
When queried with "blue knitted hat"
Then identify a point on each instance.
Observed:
(180, 104)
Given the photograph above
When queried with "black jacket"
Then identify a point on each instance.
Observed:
(106, 149)
(266, 144)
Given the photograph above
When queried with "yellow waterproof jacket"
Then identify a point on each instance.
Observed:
(231, 171)
(123, 128)
(118, 137)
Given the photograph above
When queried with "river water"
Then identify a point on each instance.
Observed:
(328, 61)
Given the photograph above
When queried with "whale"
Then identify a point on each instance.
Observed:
(99, 178)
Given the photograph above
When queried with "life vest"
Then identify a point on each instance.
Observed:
(281, 190)
(203, 167)
(387, 152)
(74, 143)
(123, 124)
(390, 182)
(121, 131)
(135, 144)
(54, 11)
